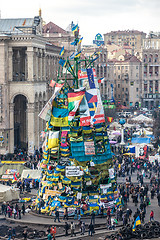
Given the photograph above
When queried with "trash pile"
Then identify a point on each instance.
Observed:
(31, 233)
(144, 231)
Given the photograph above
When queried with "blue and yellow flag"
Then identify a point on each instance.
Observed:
(75, 28)
(118, 202)
(78, 54)
(80, 40)
(62, 51)
(62, 62)
(59, 117)
(136, 223)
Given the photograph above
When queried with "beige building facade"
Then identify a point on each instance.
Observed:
(127, 80)
(151, 71)
(131, 38)
(28, 63)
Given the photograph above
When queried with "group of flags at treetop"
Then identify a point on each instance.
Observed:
(92, 113)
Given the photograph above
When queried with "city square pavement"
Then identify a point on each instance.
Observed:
(101, 231)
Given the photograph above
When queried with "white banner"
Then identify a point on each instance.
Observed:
(73, 171)
(111, 172)
(107, 204)
(105, 186)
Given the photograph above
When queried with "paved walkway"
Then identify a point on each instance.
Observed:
(30, 219)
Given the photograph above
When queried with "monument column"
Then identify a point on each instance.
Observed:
(11, 127)
(30, 57)
(31, 127)
(10, 56)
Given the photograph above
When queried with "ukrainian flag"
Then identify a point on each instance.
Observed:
(80, 40)
(57, 173)
(136, 223)
(62, 51)
(75, 28)
(60, 168)
(78, 54)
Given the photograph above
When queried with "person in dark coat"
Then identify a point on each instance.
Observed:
(66, 227)
(23, 209)
(90, 229)
(57, 215)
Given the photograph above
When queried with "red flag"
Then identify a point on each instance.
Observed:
(59, 85)
(85, 121)
(14, 176)
(52, 83)
(110, 119)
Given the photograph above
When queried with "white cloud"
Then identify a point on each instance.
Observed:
(93, 16)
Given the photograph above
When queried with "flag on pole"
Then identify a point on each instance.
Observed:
(62, 62)
(110, 119)
(80, 40)
(62, 51)
(72, 56)
(74, 99)
(42, 135)
(75, 28)
(52, 83)
(78, 54)
(136, 223)
(45, 113)
(91, 78)
(101, 80)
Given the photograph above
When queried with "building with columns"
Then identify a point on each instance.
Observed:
(151, 71)
(28, 63)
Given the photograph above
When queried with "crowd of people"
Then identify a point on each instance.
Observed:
(140, 193)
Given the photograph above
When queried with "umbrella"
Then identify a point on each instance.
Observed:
(112, 142)
(116, 133)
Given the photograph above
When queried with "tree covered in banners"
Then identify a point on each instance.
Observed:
(76, 149)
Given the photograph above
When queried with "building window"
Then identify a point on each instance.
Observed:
(136, 75)
(145, 87)
(150, 86)
(118, 85)
(105, 71)
(126, 89)
(136, 89)
(150, 71)
(119, 68)
(156, 87)
(136, 67)
(122, 89)
(156, 70)
(119, 76)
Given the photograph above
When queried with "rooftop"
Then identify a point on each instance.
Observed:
(16, 25)
(124, 32)
(53, 28)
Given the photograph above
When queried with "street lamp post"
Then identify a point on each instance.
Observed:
(122, 122)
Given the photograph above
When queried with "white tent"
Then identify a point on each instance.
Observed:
(33, 174)
(8, 193)
(141, 118)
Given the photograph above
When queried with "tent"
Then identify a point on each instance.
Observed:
(145, 140)
(141, 119)
(17, 168)
(31, 174)
(8, 193)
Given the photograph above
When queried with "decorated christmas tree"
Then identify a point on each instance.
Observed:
(77, 160)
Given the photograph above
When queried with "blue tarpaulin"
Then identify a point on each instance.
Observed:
(141, 140)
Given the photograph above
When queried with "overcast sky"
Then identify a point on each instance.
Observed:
(93, 16)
